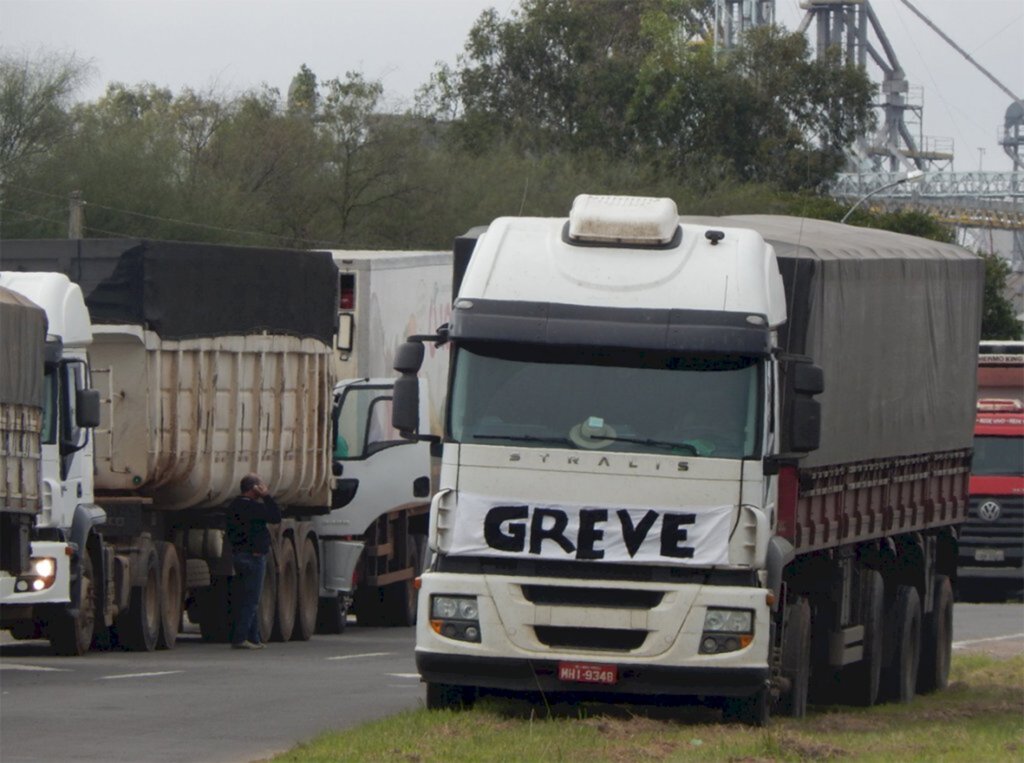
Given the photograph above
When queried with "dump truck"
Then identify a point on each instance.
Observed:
(173, 370)
(698, 458)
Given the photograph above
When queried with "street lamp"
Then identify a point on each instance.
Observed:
(911, 177)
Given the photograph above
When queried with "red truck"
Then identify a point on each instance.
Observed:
(992, 537)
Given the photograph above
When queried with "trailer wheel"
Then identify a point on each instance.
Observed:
(287, 593)
(903, 645)
(937, 640)
(72, 636)
(859, 682)
(309, 592)
(170, 594)
(754, 710)
(369, 603)
(139, 627)
(796, 658)
(450, 696)
(267, 610)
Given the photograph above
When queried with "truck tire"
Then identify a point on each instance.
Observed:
(72, 636)
(139, 628)
(214, 609)
(754, 710)
(287, 592)
(937, 639)
(796, 658)
(308, 593)
(171, 598)
(450, 696)
(903, 646)
(332, 615)
(266, 613)
(858, 683)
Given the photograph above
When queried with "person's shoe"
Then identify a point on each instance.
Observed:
(246, 645)
(257, 645)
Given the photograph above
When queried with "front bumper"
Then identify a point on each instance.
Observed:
(516, 652)
(517, 674)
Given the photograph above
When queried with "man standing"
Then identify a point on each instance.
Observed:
(247, 519)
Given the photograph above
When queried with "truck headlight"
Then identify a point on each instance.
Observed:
(726, 630)
(456, 617)
(42, 570)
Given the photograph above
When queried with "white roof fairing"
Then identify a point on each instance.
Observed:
(526, 259)
(66, 314)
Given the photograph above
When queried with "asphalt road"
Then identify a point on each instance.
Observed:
(205, 702)
(198, 702)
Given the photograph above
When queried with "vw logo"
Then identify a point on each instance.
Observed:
(989, 511)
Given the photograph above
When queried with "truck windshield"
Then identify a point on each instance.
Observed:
(998, 456)
(599, 399)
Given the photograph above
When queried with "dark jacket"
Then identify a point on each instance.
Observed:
(247, 522)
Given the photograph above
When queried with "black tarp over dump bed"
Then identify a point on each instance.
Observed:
(185, 290)
(894, 322)
(22, 341)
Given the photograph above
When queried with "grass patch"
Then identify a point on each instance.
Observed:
(980, 717)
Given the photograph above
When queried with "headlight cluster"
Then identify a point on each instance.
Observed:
(726, 630)
(456, 617)
(41, 574)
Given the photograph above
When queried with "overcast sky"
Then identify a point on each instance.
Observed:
(233, 45)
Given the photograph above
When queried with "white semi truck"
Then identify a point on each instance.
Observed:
(182, 368)
(698, 457)
(382, 493)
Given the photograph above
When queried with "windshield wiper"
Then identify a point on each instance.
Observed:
(653, 443)
(525, 438)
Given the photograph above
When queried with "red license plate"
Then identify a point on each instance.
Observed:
(588, 673)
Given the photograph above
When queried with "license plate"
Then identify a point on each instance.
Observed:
(988, 554)
(588, 673)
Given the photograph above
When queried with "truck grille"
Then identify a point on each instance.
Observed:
(1004, 533)
(610, 639)
(591, 597)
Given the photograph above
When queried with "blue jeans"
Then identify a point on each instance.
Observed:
(249, 570)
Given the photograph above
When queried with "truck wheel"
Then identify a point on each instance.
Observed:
(139, 627)
(332, 615)
(170, 594)
(72, 636)
(214, 609)
(267, 610)
(903, 645)
(796, 658)
(858, 683)
(937, 640)
(754, 710)
(287, 593)
(309, 592)
(450, 697)
(400, 604)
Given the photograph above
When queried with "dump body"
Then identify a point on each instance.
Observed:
(23, 339)
(212, 362)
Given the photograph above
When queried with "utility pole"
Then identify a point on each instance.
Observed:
(75, 215)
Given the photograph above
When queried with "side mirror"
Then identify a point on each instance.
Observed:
(405, 405)
(808, 379)
(409, 357)
(802, 413)
(87, 408)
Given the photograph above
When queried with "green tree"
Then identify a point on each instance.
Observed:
(997, 319)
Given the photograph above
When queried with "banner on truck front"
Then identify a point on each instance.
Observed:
(691, 535)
